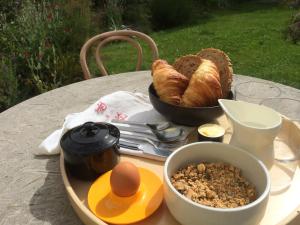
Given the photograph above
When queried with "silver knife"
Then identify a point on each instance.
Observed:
(142, 130)
(158, 126)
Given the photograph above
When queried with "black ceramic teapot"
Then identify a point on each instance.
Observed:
(91, 149)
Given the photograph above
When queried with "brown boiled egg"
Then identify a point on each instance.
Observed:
(125, 179)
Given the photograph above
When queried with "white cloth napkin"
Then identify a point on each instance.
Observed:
(121, 105)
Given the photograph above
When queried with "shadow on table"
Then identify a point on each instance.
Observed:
(50, 202)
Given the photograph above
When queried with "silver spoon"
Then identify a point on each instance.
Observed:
(169, 134)
(165, 135)
(152, 126)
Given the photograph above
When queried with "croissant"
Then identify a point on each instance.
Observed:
(168, 83)
(223, 64)
(204, 88)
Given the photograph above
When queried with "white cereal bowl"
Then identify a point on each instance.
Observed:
(188, 212)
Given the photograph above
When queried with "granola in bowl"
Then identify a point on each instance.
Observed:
(216, 184)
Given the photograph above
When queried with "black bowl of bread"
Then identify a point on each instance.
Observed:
(187, 92)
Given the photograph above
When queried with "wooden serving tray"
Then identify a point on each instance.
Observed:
(281, 209)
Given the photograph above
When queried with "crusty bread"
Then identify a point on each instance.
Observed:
(187, 65)
(194, 80)
(223, 64)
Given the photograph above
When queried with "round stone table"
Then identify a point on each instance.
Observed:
(31, 188)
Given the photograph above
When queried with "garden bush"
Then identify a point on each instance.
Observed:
(293, 30)
(145, 15)
(113, 11)
(125, 14)
(42, 45)
(292, 3)
(137, 15)
(10, 8)
(171, 13)
(8, 84)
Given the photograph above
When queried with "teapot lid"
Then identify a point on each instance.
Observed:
(90, 138)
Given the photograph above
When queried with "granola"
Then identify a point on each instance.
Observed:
(217, 184)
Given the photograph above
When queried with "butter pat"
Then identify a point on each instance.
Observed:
(211, 132)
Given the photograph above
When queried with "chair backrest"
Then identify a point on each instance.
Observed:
(102, 39)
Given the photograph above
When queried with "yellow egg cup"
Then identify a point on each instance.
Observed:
(124, 210)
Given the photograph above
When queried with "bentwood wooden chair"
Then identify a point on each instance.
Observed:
(131, 36)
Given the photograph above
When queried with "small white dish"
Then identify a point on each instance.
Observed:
(211, 132)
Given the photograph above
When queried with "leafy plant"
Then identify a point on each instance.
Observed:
(113, 13)
(8, 84)
(44, 41)
(171, 13)
(137, 15)
(296, 18)
(293, 30)
(292, 3)
(10, 8)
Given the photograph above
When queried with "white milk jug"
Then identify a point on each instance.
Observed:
(254, 128)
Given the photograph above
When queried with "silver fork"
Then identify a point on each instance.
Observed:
(167, 135)
(144, 147)
(169, 146)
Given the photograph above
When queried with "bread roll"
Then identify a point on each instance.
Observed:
(187, 65)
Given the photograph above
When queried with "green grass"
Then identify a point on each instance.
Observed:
(252, 36)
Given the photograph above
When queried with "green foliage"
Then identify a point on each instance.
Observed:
(113, 14)
(10, 8)
(250, 34)
(121, 14)
(291, 3)
(137, 15)
(171, 13)
(226, 3)
(44, 40)
(296, 18)
(8, 84)
(293, 30)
